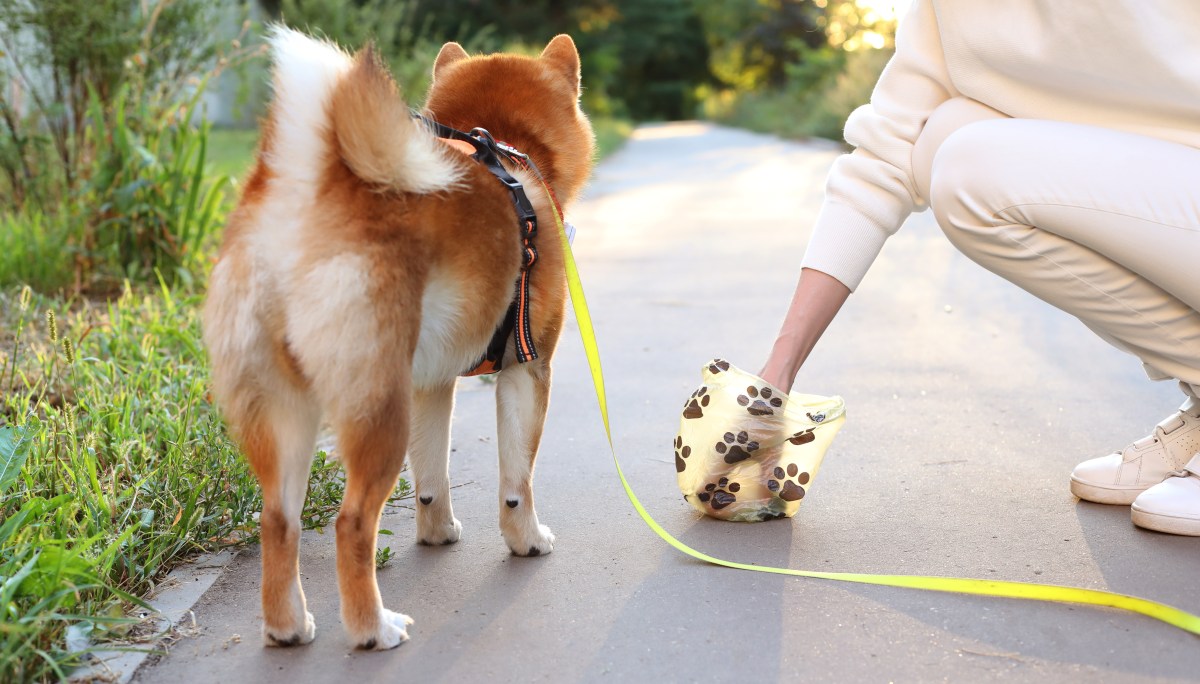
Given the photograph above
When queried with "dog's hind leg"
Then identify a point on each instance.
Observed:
(522, 397)
(269, 410)
(430, 465)
(278, 437)
(372, 446)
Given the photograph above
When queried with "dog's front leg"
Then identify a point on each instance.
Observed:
(522, 396)
(429, 459)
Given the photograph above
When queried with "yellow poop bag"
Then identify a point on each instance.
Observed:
(747, 452)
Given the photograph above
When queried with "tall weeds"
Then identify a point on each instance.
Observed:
(153, 207)
(102, 155)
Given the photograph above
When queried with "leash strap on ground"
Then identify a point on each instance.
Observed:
(960, 585)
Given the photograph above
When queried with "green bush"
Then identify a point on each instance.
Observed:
(156, 209)
(60, 55)
(795, 112)
(101, 154)
(145, 205)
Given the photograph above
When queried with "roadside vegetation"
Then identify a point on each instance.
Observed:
(114, 188)
(114, 467)
(794, 69)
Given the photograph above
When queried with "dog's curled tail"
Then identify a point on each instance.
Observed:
(329, 104)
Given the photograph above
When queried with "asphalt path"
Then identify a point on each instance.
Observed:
(968, 402)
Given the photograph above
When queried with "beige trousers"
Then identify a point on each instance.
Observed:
(1102, 224)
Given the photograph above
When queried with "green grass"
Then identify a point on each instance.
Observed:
(114, 468)
(37, 249)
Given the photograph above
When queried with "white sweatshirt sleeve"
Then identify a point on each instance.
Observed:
(870, 191)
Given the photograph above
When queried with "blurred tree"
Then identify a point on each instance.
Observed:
(664, 56)
(642, 58)
(533, 21)
(757, 44)
(789, 27)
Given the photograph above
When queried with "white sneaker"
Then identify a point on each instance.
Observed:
(1119, 478)
(1173, 505)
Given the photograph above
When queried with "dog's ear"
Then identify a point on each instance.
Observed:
(562, 56)
(449, 54)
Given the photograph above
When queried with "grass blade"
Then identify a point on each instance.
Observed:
(14, 449)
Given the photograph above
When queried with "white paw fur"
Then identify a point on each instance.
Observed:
(529, 541)
(392, 631)
(304, 635)
(439, 534)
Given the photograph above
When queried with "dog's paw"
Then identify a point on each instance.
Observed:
(440, 534)
(392, 631)
(291, 636)
(535, 542)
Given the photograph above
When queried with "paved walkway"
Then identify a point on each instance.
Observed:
(968, 401)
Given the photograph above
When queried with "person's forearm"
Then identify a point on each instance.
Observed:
(817, 300)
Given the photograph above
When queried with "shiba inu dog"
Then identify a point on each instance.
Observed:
(367, 266)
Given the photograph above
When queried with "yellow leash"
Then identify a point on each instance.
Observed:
(1018, 590)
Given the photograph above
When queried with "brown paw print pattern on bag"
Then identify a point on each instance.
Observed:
(788, 482)
(803, 437)
(694, 407)
(718, 366)
(719, 494)
(745, 450)
(737, 447)
(759, 402)
(681, 453)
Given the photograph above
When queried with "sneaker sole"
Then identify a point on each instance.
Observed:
(1104, 495)
(1188, 527)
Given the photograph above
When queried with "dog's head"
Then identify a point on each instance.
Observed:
(531, 103)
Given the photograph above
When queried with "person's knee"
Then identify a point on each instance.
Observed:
(963, 181)
(949, 117)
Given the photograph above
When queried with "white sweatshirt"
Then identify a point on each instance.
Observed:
(1130, 65)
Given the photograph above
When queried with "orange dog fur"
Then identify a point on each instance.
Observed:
(366, 266)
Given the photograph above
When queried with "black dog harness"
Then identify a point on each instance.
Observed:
(489, 152)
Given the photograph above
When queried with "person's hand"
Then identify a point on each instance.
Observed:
(817, 300)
